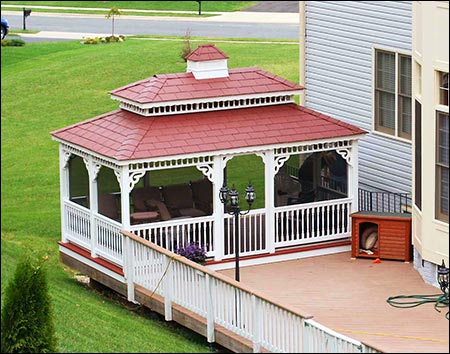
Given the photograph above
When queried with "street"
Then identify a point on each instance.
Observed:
(169, 26)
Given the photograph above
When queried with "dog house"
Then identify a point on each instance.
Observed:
(381, 235)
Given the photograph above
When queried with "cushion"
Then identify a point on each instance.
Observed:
(202, 193)
(160, 207)
(191, 212)
(371, 240)
(178, 196)
(371, 230)
(140, 195)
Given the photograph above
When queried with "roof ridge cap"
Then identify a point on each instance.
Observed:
(281, 79)
(121, 151)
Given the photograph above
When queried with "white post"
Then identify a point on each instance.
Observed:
(269, 179)
(128, 267)
(167, 283)
(256, 308)
(353, 176)
(125, 197)
(64, 187)
(93, 170)
(218, 212)
(209, 310)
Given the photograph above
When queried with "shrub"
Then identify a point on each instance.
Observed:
(108, 39)
(192, 251)
(27, 314)
(16, 42)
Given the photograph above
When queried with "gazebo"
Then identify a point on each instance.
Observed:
(155, 166)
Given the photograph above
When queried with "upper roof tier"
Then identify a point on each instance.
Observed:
(208, 85)
(206, 52)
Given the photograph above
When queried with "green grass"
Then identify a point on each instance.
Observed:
(105, 11)
(47, 86)
(212, 6)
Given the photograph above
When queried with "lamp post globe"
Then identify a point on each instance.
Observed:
(232, 197)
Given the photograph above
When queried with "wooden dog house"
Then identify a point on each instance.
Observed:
(381, 235)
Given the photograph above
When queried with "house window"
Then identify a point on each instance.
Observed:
(443, 88)
(418, 156)
(393, 91)
(442, 169)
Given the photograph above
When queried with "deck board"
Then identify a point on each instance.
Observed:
(350, 296)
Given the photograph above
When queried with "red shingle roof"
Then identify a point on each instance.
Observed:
(183, 86)
(123, 135)
(206, 52)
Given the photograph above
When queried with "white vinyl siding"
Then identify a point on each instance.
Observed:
(341, 37)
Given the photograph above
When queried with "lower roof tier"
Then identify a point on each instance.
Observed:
(123, 135)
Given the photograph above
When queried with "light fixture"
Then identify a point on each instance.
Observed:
(442, 277)
(232, 198)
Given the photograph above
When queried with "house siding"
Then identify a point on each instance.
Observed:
(340, 39)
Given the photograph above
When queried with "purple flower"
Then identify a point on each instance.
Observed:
(192, 251)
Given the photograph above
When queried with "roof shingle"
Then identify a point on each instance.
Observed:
(206, 52)
(124, 135)
(161, 88)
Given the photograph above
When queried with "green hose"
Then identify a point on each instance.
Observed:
(402, 301)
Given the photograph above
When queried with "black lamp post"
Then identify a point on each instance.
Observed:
(232, 197)
(442, 278)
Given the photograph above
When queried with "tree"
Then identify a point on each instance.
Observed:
(113, 12)
(27, 313)
(187, 48)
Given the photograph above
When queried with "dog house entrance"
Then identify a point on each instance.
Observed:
(368, 238)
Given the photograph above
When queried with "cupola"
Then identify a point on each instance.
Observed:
(207, 62)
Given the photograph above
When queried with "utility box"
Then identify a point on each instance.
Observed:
(381, 235)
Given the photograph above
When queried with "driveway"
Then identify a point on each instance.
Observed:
(274, 6)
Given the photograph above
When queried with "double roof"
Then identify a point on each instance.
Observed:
(123, 135)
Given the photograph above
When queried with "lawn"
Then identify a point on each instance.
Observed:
(212, 6)
(47, 86)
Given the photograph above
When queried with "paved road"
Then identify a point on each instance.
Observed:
(260, 25)
(275, 6)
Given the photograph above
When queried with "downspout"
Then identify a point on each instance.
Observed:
(302, 50)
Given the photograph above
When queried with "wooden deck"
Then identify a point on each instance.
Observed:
(350, 297)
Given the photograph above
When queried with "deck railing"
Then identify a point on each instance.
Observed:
(77, 224)
(312, 222)
(225, 302)
(179, 232)
(294, 225)
(218, 299)
(384, 202)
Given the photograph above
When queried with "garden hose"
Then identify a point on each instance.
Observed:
(408, 301)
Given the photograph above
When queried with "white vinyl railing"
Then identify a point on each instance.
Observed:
(295, 225)
(220, 300)
(225, 302)
(77, 228)
(102, 239)
(179, 232)
(252, 234)
(312, 222)
(320, 339)
(108, 239)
